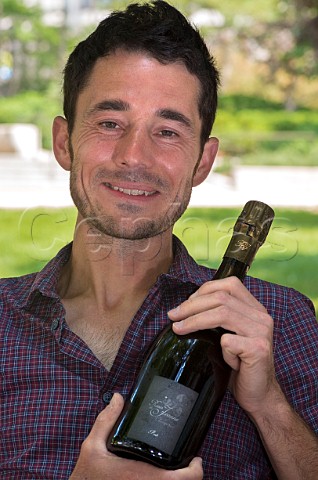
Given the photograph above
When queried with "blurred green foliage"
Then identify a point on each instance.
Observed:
(32, 107)
(254, 131)
(30, 238)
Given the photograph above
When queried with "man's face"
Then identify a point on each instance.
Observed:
(135, 145)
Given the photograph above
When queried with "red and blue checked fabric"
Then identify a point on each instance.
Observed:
(52, 386)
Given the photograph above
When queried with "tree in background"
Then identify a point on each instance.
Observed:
(281, 40)
(272, 43)
(293, 47)
(30, 51)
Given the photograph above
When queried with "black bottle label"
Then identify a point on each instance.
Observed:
(163, 414)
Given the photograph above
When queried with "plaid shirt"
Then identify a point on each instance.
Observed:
(53, 387)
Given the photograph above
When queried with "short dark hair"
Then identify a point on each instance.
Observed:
(158, 29)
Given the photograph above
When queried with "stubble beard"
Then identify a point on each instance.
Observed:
(129, 226)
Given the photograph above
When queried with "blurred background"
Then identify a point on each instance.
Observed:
(267, 124)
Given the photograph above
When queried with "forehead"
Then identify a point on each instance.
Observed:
(138, 77)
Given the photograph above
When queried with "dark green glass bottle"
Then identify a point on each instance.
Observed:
(184, 377)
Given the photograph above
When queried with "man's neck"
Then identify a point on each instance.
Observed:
(103, 269)
(104, 284)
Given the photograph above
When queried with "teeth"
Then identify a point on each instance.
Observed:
(128, 191)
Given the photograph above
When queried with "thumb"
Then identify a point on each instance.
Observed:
(106, 420)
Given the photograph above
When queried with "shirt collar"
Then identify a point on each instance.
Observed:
(45, 281)
(184, 268)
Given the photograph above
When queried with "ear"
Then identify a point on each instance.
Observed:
(61, 143)
(208, 156)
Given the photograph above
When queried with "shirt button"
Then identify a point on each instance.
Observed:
(55, 324)
(107, 397)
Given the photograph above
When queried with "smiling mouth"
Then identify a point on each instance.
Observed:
(130, 191)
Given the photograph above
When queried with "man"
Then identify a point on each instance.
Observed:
(139, 103)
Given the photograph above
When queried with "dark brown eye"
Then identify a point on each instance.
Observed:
(109, 124)
(167, 133)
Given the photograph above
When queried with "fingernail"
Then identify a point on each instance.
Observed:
(115, 398)
(174, 310)
(178, 325)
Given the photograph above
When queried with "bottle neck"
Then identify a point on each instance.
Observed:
(231, 267)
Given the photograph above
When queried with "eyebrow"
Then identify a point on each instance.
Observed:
(117, 105)
(121, 106)
(176, 116)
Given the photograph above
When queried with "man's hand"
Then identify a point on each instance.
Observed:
(291, 445)
(228, 304)
(96, 463)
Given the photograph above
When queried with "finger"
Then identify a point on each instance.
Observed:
(238, 350)
(194, 471)
(221, 310)
(200, 304)
(105, 421)
(212, 294)
(233, 286)
(195, 467)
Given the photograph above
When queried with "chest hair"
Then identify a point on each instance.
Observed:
(103, 339)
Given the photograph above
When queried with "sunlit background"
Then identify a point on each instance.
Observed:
(267, 51)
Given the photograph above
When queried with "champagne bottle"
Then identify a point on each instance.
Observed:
(184, 377)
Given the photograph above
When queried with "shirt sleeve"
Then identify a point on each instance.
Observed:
(296, 354)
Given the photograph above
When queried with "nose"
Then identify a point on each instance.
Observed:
(133, 149)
